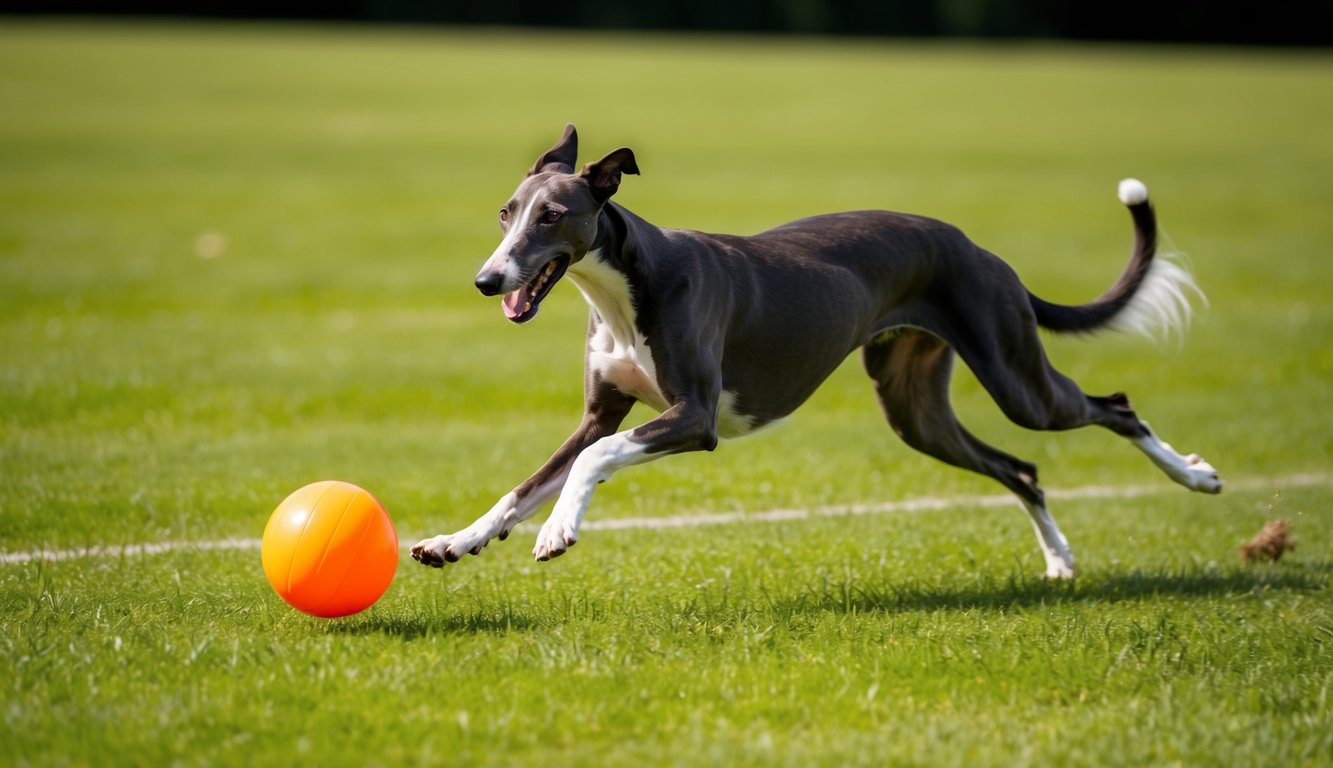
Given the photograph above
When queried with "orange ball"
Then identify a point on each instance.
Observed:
(330, 549)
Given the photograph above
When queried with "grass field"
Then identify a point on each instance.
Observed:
(237, 259)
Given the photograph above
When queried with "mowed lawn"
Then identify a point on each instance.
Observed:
(237, 259)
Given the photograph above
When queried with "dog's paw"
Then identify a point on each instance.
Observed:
(433, 552)
(554, 540)
(1199, 475)
(438, 550)
(1195, 474)
(1190, 471)
(1059, 572)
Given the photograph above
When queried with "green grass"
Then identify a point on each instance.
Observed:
(149, 394)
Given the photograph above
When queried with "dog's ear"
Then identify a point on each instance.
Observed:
(604, 175)
(562, 156)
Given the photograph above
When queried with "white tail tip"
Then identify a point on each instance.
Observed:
(1133, 192)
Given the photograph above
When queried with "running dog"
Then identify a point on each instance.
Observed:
(722, 335)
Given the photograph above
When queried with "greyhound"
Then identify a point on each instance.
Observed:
(723, 335)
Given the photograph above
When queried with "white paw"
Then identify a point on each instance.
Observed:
(1190, 471)
(554, 539)
(1059, 572)
(1196, 474)
(438, 550)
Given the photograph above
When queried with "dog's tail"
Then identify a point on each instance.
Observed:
(1152, 296)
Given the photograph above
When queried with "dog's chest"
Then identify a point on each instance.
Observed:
(617, 351)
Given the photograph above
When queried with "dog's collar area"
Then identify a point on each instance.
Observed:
(521, 305)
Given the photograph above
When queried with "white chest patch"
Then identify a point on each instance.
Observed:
(621, 355)
(616, 350)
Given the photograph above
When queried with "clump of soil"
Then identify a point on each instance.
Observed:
(1269, 543)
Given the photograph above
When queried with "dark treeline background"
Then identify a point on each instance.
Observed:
(1277, 22)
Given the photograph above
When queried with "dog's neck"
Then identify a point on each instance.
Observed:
(618, 242)
(606, 275)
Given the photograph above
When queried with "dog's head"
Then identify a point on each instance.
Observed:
(549, 223)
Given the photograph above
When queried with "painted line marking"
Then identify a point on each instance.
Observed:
(922, 504)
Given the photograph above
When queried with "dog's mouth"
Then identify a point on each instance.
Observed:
(521, 305)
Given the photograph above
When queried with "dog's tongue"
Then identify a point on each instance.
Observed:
(513, 303)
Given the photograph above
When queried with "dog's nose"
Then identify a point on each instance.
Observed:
(489, 283)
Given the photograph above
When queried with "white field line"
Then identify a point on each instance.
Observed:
(922, 504)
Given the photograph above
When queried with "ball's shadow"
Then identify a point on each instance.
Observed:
(407, 625)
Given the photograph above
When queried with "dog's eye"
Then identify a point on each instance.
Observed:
(504, 215)
(551, 217)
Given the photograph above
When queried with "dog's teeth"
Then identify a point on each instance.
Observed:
(550, 268)
(527, 305)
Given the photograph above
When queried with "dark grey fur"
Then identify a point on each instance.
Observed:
(769, 317)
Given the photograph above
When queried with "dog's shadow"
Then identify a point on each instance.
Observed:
(409, 623)
(1117, 587)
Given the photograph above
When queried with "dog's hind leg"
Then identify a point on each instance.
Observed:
(1017, 374)
(911, 370)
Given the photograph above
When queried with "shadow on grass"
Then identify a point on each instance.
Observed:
(427, 619)
(1023, 592)
(429, 623)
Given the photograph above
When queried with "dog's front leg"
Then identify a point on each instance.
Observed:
(683, 427)
(513, 508)
(605, 410)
